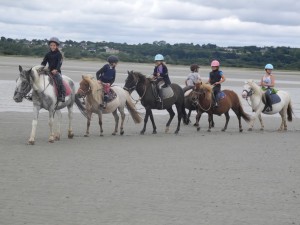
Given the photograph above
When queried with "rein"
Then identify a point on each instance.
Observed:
(201, 107)
(249, 94)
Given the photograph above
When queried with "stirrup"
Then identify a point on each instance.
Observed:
(103, 105)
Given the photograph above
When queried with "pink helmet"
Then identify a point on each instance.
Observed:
(215, 63)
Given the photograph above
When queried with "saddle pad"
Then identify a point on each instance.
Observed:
(221, 95)
(275, 98)
(111, 95)
(67, 88)
(187, 93)
(166, 92)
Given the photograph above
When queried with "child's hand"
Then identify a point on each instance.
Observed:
(54, 72)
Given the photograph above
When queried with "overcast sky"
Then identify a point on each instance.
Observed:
(221, 22)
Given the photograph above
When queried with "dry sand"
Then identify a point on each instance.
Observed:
(164, 179)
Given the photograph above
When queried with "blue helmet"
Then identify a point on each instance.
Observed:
(269, 67)
(159, 57)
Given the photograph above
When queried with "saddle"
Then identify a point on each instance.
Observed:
(220, 96)
(164, 92)
(274, 99)
(111, 95)
(66, 85)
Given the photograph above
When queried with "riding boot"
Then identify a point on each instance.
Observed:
(215, 102)
(60, 88)
(268, 105)
(105, 99)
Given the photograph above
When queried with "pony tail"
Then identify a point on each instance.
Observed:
(290, 112)
(132, 110)
(245, 116)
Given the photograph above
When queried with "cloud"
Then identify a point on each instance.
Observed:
(225, 23)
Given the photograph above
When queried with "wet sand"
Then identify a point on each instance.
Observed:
(191, 178)
(226, 178)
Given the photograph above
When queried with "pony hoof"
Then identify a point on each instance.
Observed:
(198, 128)
(56, 138)
(114, 134)
(250, 129)
(51, 141)
(195, 125)
(122, 132)
(223, 130)
(209, 130)
(213, 125)
(154, 132)
(142, 132)
(101, 135)
(30, 142)
(261, 129)
(87, 135)
(176, 132)
(70, 136)
(241, 130)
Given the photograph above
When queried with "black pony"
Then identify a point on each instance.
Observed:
(139, 82)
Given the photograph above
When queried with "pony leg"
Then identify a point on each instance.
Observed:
(122, 121)
(179, 116)
(189, 115)
(210, 118)
(148, 112)
(172, 114)
(153, 123)
(50, 122)
(59, 116)
(116, 116)
(227, 120)
(70, 115)
(34, 125)
(261, 122)
(100, 123)
(198, 117)
(283, 125)
(88, 123)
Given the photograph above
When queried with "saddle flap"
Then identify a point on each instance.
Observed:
(166, 92)
(111, 95)
(275, 98)
(68, 90)
(221, 95)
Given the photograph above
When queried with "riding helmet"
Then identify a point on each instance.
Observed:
(159, 57)
(55, 40)
(194, 67)
(269, 67)
(215, 63)
(112, 59)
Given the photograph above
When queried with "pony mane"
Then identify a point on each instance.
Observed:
(254, 86)
(141, 76)
(94, 85)
(206, 88)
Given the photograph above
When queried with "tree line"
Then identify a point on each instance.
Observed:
(181, 53)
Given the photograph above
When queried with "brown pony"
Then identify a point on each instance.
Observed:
(202, 98)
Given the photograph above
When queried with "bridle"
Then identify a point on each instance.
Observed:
(134, 88)
(195, 102)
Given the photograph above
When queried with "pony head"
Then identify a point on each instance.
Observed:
(201, 91)
(132, 80)
(23, 85)
(250, 88)
(84, 85)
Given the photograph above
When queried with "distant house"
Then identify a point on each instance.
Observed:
(111, 50)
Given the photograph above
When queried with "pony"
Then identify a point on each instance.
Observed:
(44, 96)
(188, 103)
(256, 94)
(143, 86)
(202, 98)
(92, 91)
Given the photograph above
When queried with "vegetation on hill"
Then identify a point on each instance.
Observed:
(181, 53)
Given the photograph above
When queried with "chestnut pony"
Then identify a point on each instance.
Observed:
(202, 98)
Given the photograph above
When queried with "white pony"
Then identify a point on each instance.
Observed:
(92, 91)
(44, 97)
(256, 94)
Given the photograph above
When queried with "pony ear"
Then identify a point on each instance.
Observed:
(20, 68)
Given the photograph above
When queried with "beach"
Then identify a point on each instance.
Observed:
(226, 178)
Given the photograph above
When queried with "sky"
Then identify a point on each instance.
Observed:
(221, 22)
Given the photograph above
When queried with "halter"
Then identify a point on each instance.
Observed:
(134, 88)
(198, 104)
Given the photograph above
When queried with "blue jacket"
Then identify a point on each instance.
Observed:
(54, 60)
(106, 74)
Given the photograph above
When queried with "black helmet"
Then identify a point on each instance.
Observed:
(55, 40)
(112, 59)
(194, 67)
